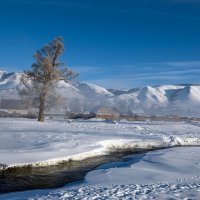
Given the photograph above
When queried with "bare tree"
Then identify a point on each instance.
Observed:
(40, 82)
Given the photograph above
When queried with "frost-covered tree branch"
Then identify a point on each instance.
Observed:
(40, 82)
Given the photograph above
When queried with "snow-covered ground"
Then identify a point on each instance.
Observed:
(165, 173)
(25, 141)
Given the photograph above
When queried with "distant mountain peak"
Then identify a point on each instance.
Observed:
(2, 73)
(182, 99)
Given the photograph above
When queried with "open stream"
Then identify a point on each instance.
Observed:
(26, 178)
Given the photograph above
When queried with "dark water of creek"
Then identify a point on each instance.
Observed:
(26, 178)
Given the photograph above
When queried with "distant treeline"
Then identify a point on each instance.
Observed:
(135, 117)
(13, 104)
(17, 115)
(72, 115)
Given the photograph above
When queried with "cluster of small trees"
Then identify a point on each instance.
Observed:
(40, 82)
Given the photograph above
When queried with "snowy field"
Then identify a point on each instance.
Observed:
(172, 173)
(25, 141)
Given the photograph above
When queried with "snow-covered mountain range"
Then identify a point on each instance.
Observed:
(163, 99)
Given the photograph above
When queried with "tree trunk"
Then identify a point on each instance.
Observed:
(41, 109)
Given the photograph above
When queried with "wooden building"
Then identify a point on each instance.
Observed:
(107, 113)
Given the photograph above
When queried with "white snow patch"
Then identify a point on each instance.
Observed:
(24, 141)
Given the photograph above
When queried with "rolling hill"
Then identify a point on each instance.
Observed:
(79, 96)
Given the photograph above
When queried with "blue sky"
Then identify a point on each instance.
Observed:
(112, 43)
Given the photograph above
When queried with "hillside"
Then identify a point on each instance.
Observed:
(78, 96)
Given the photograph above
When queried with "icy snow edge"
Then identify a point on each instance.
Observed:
(108, 146)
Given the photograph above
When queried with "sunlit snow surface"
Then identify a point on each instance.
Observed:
(162, 174)
(28, 141)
